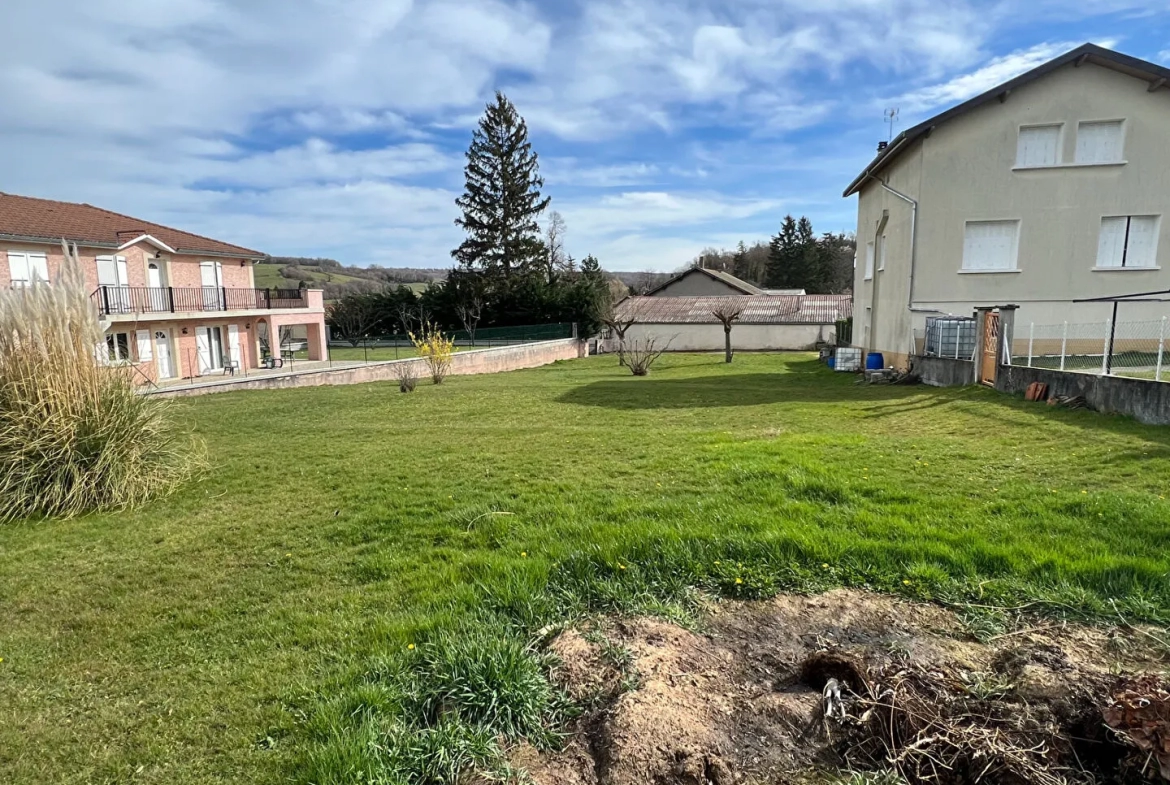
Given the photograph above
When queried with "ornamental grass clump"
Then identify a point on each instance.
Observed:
(74, 434)
(436, 349)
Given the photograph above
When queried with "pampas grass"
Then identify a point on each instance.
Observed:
(74, 434)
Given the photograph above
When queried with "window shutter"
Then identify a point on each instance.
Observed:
(144, 352)
(38, 267)
(1099, 143)
(990, 245)
(123, 279)
(107, 271)
(868, 260)
(1039, 146)
(1143, 241)
(1111, 243)
(18, 268)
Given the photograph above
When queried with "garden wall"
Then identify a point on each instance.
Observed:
(1145, 400)
(943, 371)
(473, 361)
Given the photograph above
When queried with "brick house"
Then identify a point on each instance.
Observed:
(172, 304)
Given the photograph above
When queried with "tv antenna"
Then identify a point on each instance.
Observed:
(891, 116)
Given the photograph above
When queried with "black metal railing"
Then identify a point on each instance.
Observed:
(179, 299)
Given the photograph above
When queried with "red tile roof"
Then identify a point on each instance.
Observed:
(754, 309)
(27, 217)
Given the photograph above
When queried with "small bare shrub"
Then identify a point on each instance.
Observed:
(75, 435)
(641, 353)
(436, 349)
(406, 373)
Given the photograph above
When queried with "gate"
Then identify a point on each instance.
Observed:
(990, 359)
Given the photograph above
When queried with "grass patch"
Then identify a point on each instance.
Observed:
(255, 626)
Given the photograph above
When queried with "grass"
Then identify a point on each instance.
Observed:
(257, 626)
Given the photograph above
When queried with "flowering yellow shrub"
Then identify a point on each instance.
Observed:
(436, 349)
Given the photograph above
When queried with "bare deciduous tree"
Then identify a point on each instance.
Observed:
(469, 311)
(554, 245)
(726, 314)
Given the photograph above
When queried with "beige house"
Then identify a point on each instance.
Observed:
(173, 305)
(1050, 188)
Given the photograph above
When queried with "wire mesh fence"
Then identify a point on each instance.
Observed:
(1133, 349)
(379, 348)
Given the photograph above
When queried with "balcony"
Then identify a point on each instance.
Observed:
(117, 300)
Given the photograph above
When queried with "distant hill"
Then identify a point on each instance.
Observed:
(338, 279)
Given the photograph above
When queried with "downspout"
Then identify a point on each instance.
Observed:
(913, 251)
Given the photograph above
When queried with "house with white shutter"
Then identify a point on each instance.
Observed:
(1046, 190)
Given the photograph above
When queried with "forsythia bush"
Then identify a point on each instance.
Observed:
(436, 349)
(75, 435)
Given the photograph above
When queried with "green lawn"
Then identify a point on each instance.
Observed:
(225, 634)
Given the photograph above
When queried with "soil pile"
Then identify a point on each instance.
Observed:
(746, 699)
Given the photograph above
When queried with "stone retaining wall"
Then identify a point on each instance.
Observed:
(473, 361)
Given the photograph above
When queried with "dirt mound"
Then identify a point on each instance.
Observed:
(745, 700)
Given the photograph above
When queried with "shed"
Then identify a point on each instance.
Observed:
(767, 322)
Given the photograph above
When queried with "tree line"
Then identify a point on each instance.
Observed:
(794, 258)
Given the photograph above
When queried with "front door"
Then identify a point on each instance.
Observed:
(234, 344)
(162, 351)
(211, 276)
(156, 288)
(209, 344)
(990, 360)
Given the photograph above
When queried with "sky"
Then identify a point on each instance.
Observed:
(338, 128)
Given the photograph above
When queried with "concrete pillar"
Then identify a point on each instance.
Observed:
(316, 340)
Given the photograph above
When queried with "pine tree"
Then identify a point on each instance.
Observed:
(501, 200)
(781, 256)
(739, 262)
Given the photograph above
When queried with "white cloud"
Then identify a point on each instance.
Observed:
(997, 71)
(1164, 56)
(337, 128)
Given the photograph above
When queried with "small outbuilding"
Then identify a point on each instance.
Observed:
(766, 322)
(701, 282)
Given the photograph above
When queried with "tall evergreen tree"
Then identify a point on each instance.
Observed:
(501, 199)
(781, 256)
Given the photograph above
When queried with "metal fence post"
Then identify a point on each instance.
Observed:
(1107, 349)
(1063, 345)
(958, 332)
(1031, 339)
(1161, 350)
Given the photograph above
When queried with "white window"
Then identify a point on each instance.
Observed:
(118, 347)
(990, 245)
(24, 267)
(1128, 241)
(868, 261)
(1039, 145)
(882, 255)
(1099, 143)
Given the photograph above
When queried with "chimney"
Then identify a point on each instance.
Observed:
(882, 146)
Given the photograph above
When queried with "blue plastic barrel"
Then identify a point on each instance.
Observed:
(832, 362)
(874, 361)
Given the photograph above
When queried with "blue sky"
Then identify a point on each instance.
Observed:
(337, 128)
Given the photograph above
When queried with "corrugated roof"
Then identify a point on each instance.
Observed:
(718, 275)
(754, 309)
(1158, 77)
(46, 219)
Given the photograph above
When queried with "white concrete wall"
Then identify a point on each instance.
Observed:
(745, 337)
(965, 171)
